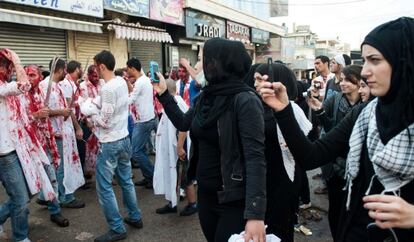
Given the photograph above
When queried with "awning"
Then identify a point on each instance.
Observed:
(135, 31)
(19, 17)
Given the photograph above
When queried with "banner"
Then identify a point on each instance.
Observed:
(167, 11)
(138, 8)
(85, 7)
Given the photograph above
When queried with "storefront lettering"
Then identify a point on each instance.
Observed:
(51, 3)
(238, 29)
(207, 31)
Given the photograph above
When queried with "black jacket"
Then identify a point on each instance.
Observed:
(241, 140)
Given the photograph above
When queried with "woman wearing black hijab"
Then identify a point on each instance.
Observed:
(377, 137)
(227, 131)
(281, 190)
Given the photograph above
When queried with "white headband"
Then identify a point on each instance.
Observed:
(340, 60)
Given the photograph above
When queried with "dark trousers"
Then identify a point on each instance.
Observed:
(304, 192)
(81, 144)
(219, 221)
(336, 198)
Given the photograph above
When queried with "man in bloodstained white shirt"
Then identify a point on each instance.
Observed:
(69, 173)
(21, 154)
(115, 151)
(142, 98)
(71, 92)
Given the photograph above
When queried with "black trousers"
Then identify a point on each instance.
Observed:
(219, 221)
(336, 198)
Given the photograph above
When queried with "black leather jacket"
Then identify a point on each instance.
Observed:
(241, 137)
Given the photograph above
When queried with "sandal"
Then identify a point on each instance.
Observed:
(305, 230)
(59, 220)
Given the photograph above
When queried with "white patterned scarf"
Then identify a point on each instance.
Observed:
(306, 127)
(393, 163)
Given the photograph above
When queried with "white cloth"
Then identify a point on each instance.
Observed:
(143, 99)
(165, 170)
(112, 120)
(240, 238)
(340, 60)
(6, 144)
(68, 88)
(305, 126)
(73, 174)
(29, 150)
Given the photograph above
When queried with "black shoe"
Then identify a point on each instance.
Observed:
(149, 185)
(41, 202)
(190, 209)
(141, 183)
(166, 209)
(74, 204)
(59, 220)
(136, 224)
(111, 236)
(86, 186)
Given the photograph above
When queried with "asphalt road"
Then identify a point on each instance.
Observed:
(87, 223)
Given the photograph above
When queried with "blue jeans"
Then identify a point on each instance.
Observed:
(60, 174)
(140, 137)
(114, 159)
(11, 175)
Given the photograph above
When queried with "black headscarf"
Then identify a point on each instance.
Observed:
(395, 110)
(281, 73)
(225, 64)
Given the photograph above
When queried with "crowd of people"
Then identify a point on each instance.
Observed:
(245, 134)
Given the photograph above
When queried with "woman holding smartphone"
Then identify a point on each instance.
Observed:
(227, 132)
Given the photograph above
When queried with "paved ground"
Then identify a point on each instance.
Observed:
(87, 223)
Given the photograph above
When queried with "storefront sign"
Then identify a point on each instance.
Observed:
(260, 36)
(167, 11)
(238, 32)
(138, 8)
(203, 27)
(85, 7)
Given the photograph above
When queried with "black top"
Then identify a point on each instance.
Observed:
(332, 88)
(352, 226)
(208, 169)
(281, 191)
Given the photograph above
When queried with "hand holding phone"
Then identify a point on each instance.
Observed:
(153, 71)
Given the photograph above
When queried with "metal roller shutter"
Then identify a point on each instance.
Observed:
(87, 45)
(188, 53)
(34, 45)
(145, 52)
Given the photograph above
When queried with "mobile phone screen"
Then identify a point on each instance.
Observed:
(154, 70)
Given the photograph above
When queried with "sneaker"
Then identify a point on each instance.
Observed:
(74, 204)
(111, 236)
(305, 206)
(190, 209)
(305, 230)
(166, 209)
(141, 183)
(321, 190)
(59, 220)
(41, 202)
(136, 224)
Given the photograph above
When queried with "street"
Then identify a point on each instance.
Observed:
(87, 223)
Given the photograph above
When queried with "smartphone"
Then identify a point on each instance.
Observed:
(153, 71)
